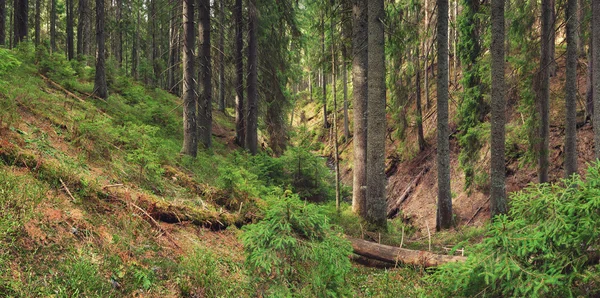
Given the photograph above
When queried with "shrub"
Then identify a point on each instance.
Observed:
(544, 247)
(295, 251)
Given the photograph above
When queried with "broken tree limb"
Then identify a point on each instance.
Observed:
(394, 206)
(392, 254)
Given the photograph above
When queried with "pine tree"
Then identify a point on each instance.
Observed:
(497, 177)
(204, 75)
(376, 123)
(543, 93)
(190, 138)
(444, 204)
(360, 96)
(252, 120)
(570, 163)
(100, 86)
(240, 118)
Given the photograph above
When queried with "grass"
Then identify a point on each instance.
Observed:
(92, 240)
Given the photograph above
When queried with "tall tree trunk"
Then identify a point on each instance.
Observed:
(360, 36)
(135, 51)
(221, 56)
(204, 75)
(173, 30)
(376, 180)
(84, 28)
(70, 37)
(240, 119)
(444, 204)
(38, 13)
(345, 88)
(118, 54)
(570, 163)
(100, 87)
(323, 77)
(596, 73)
(252, 121)
(498, 172)
(420, 135)
(21, 8)
(190, 138)
(589, 87)
(553, 65)
(426, 63)
(543, 93)
(154, 51)
(334, 95)
(2, 22)
(53, 24)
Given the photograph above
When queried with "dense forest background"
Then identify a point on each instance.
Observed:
(303, 148)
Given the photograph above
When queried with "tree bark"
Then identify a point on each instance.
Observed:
(38, 12)
(395, 255)
(360, 99)
(570, 163)
(70, 37)
(543, 93)
(334, 95)
(100, 87)
(21, 10)
(240, 119)
(252, 121)
(323, 77)
(498, 172)
(444, 204)
(84, 28)
(596, 74)
(420, 135)
(2, 22)
(221, 56)
(376, 123)
(345, 88)
(190, 138)
(53, 24)
(204, 75)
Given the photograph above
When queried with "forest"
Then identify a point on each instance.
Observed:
(299, 148)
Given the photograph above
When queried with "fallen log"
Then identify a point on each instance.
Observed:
(394, 255)
(394, 207)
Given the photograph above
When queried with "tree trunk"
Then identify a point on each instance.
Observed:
(135, 50)
(119, 38)
(204, 75)
(589, 89)
(100, 87)
(570, 163)
(360, 99)
(426, 63)
(376, 123)
(38, 13)
(345, 86)
(323, 77)
(334, 95)
(553, 65)
(2, 22)
(221, 56)
(543, 93)
(596, 74)
(53, 24)
(395, 255)
(252, 121)
(420, 135)
(498, 172)
(240, 119)
(173, 41)
(84, 28)
(70, 37)
(444, 204)
(21, 8)
(190, 138)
